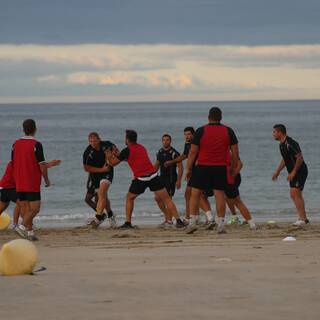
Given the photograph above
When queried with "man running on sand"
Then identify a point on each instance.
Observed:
(145, 176)
(100, 177)
(292, 159)
(29, 166)
(169, 175)
(209, 146)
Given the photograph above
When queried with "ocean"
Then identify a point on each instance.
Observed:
(63, 131)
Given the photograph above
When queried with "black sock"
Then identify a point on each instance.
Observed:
(110, 214)
(101, 217)
(179, 221)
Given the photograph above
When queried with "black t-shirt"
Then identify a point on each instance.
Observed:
(96, 158)
(289, 150)
(186, 149)
(124, 154)
(167, 155)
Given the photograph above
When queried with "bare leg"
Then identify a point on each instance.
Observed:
(163, 207)
(231, 206)
(130, 205)
(3, 206)
(166, 199)
(187, 196)
(298, 200)
(88, 199)
(108, 204)
(242, 208)
(16, 213)
(221, 208)
(102, 192)
(195, 202)
(204, 203)
(26, 214)
(34, 208)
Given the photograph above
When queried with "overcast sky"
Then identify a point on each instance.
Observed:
(159, 50)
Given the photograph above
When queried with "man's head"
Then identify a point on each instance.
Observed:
(166, 141)
(94, 140)
(29, 127)
(131, 137)
(188, 134)
(279, 132)
(215, 114)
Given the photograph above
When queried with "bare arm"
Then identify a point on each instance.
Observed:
(157, 164)
(279, 169)
(44, 172)
(112, 157)
(238, 167)
(297, 166)
(180, 175)
(52, 163)
(177, 160)
(91, 169)
(234, 157)
(191, 159)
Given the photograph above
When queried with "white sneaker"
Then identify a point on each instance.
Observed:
(94, 222)
(113, 222)
(191, 228)
(166, 225)
(300, 222)
(21, 231)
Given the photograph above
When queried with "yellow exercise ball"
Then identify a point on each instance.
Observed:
(18, 257)
(4, 221)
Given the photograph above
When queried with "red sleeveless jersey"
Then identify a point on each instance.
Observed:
(139, 161)
(7, 180)
(26, 168)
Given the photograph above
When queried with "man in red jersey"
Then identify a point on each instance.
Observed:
(29, 167)
(209, 146)
(145, 176)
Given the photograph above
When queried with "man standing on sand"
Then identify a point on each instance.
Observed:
(145, 176)
(204, 202)
(29, 166)
(209, 146)
(169, 175)
(292, 159)
(100, 177)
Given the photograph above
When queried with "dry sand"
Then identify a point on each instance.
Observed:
(153, 274)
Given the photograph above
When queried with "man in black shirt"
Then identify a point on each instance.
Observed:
(169, 175)
(100, 176)
(292, 159)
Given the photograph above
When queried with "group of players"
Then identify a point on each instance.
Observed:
(213, 169)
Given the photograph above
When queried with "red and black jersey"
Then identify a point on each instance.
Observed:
(137, 157)
(27, 154)
(7, 180)
(214, 141)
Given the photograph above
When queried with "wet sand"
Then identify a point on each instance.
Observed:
(155, 274)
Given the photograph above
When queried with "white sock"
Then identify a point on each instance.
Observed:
(209, 216)
(220, 221)
(22, 227)
(193, 219)
(251, 223)
(30, 233)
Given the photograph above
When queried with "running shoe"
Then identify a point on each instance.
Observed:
(300, 223)
(186, 221)
(166, 225)
(113, 222)
(210, 225)
(31, 236)
(221, 229)
(191, 228)
(96, 221)
(127, 225)
(234, 220)
(21, 231)
(180, 224)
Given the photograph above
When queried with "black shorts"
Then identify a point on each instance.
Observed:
(94, 182)
(170, 184)
(300, 179)
(29, 196)
(139, 187)
(7, 195)
(208, 193)
(232, 190)
(209, 178)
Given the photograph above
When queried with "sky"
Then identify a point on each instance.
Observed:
(147, 50)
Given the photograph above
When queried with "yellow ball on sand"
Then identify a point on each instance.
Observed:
(4, 221)
(18, 257)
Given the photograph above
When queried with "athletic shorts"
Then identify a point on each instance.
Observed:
(232, 190)
(94, 182)
(170, 184)
(29, 196)
(7, 195)
(209, 177)
(300, 179)
(208, 193)
(139, 187)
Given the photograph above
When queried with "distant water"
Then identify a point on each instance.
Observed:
(63, 130)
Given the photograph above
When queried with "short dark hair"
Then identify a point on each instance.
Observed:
(280, 127)
(215, 114)
(94, 134)
(29, 126)
(166, 135)
(191, 129)
(131, 136)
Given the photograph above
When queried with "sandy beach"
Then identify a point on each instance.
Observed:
(155, 274)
